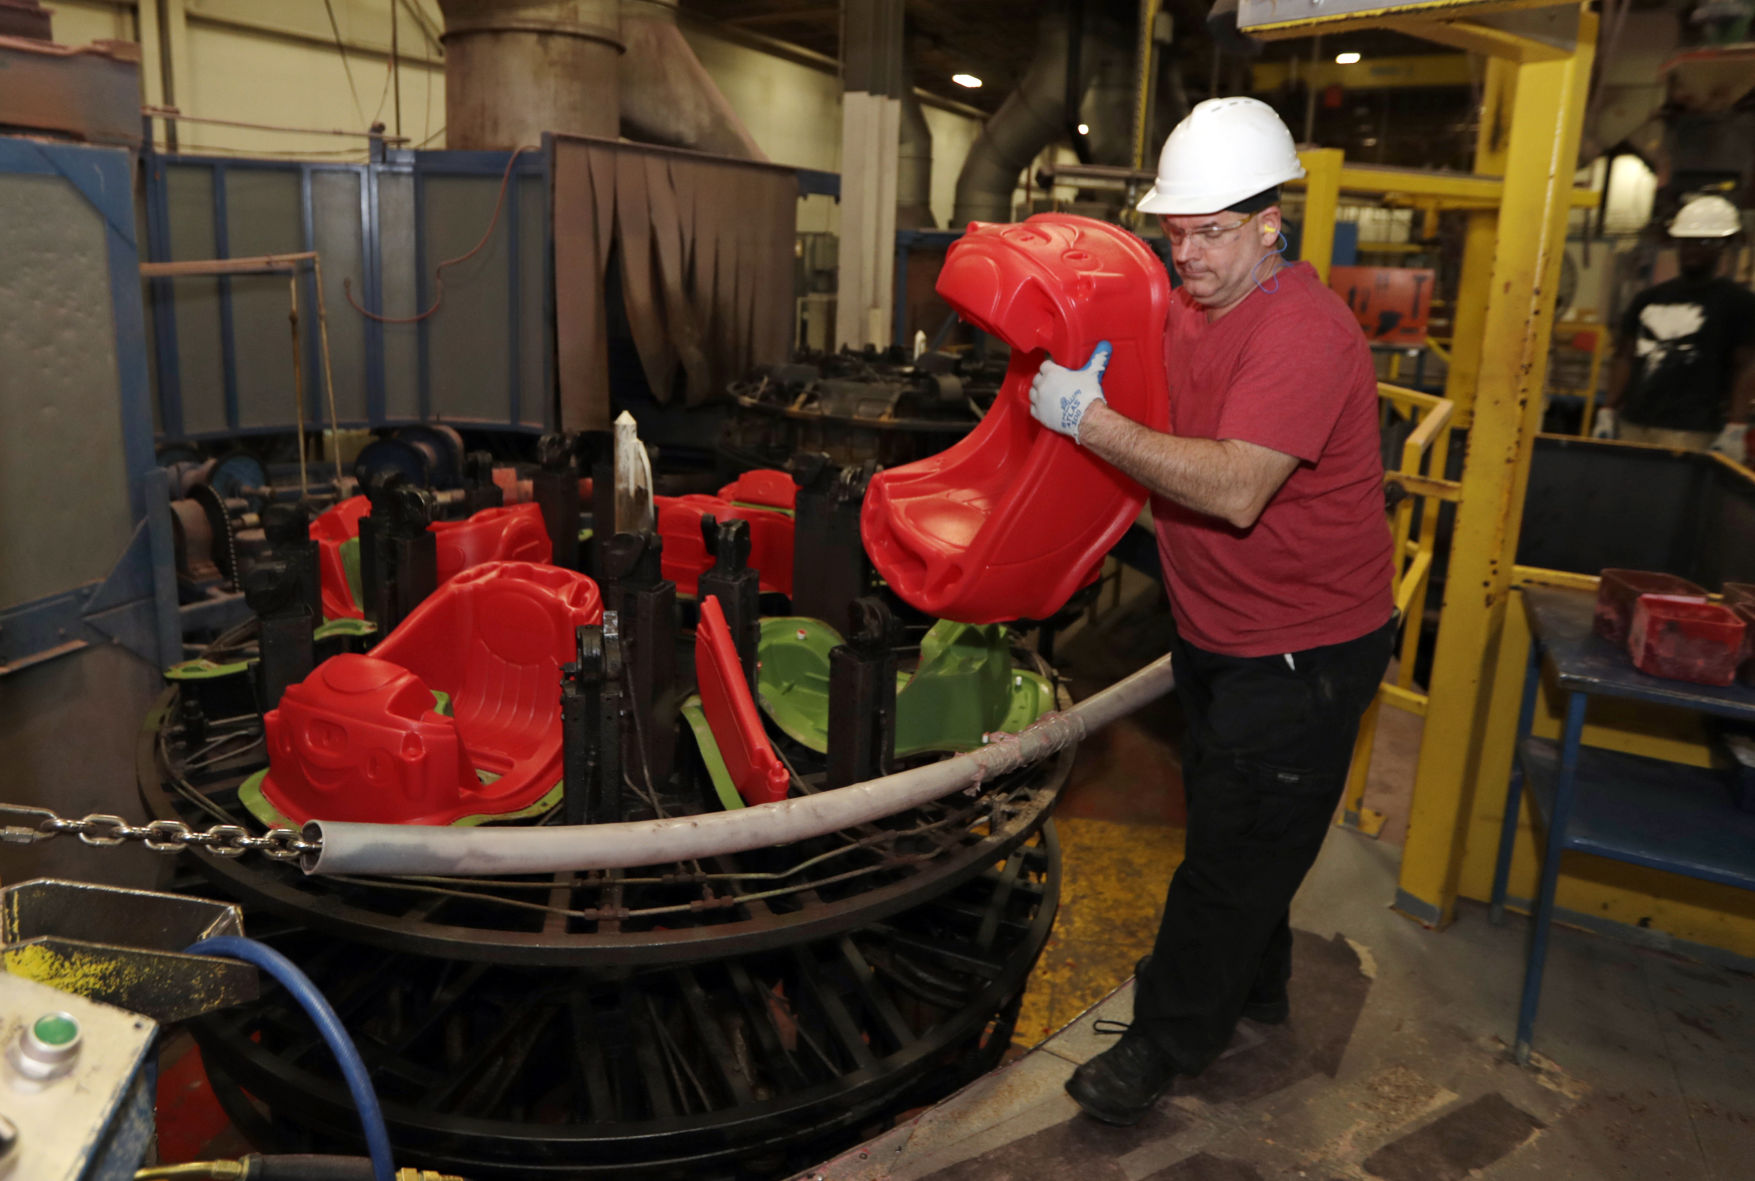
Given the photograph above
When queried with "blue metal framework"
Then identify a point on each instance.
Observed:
(119, 608)
(421, 166)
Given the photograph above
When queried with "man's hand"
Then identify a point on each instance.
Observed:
(1606, 426)
(1733, 442)
(1060, 396)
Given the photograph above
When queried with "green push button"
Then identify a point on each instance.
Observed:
(56, 1029)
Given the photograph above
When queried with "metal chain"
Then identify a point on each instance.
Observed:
(161, 836)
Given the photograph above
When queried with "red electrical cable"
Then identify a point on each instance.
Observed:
(439, 271)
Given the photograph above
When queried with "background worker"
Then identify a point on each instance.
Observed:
(1684, 369)
(1268, 502)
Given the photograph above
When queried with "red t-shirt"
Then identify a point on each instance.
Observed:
(1290, 370)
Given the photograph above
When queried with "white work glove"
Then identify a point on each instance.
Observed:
(1606, 426)
(1060, 396)
(1733, 442)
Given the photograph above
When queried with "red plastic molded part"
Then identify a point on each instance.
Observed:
(1014, 518)
(1619, 590)
(513, 533)
(329, 530)
(764, 486)
(760, 776)
(358, 739)
(686, 558)
(1686, 638)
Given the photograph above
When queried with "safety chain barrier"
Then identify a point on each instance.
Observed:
(102, 830)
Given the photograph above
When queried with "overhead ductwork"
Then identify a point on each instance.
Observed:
(1036, 114)
(517, 68)
(913, 164)
(667, 96)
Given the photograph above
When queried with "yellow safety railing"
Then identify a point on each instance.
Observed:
(1419, 477)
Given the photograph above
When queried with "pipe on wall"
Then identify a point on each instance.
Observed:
(517, 68)
(667, 96)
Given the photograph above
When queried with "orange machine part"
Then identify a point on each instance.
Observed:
(1014, 518)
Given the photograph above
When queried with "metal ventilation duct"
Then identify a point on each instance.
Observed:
(913, 164)
(667, 96)
(1037, 113)
(517, 68)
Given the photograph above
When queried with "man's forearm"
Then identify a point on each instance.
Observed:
(1221, 478)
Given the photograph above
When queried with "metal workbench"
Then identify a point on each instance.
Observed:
(1644, 811)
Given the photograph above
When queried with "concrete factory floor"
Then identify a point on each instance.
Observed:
(1395, 1064)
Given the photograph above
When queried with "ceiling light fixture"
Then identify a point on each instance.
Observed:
(1346, 59)
(969, 80)
(1084, 129)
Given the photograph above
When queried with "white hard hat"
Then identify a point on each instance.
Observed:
(1706, 217)
(1227, 149)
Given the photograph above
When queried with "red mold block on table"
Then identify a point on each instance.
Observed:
(361, 737)
(1686, 638)
(758, 773)
(512, 533)
(1619, 590)
(685, 556)
(1014, 518)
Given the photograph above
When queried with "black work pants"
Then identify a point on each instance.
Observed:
(1264, 763)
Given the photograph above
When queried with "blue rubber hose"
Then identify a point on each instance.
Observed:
(353, 1067)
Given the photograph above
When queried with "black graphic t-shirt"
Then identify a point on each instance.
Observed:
(1685, 336)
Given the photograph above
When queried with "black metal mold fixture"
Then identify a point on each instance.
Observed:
(739, 1017)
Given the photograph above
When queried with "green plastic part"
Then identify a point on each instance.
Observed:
(345, 627)
(963, 689)
(350, 561)
(203, 669)
(765, 508)
(792, 676)
(717, 771)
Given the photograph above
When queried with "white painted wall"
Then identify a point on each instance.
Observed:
(252, 61)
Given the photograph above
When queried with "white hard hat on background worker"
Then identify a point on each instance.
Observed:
(1227, 150)
(1706, 217)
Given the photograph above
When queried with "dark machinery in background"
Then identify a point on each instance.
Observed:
(861, 406)
(218, 503)
(738, 1017)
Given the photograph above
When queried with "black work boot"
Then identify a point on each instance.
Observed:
(1264, 1006)
(1122, 1083)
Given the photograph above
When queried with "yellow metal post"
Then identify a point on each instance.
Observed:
(1546, 116)
(1322, 202)
(1479, 237)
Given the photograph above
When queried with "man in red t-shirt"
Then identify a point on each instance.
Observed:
(1268, 497)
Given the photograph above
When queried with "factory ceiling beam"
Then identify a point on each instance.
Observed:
(1382, 73)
